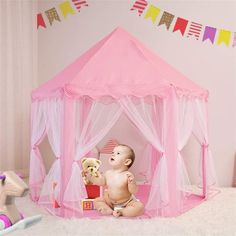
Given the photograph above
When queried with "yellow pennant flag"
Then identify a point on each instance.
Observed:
(66, 8)
(224, 37)
(152, 12)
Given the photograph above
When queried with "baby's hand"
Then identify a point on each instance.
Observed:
(130, 178)
(87, 175)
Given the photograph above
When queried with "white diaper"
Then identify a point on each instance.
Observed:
(124, 204)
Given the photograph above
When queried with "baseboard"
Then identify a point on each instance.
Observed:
(24, 173)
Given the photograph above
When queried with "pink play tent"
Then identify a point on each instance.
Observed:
(78, 107)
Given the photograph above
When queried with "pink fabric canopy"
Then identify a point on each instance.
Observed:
(71, 110)
(119, 65)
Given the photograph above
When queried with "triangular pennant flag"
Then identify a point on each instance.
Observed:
(66, 8)
(79, 3)
(52, 15)
(109, 146)
(194, 30)
(181, 25)
(140, 6)
(209, 33)
(152, 13)
(166, 19)
(224, 37)
(40, 21)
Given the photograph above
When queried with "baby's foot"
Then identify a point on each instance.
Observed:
(117, 213)
(105, 211)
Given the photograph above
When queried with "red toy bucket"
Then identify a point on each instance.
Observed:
(93, 191)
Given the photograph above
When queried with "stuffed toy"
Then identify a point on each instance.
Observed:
(91, 166)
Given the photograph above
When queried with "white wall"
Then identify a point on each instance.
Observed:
(18, 76)
(213, 67)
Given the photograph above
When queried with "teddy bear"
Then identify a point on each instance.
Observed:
(90, 165)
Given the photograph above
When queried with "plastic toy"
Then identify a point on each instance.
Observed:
(87, 204)
(11, 186)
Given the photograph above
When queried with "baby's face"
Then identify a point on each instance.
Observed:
(119, 156)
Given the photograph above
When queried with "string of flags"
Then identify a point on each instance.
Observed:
(185, 27)
(65, 8)
(171, 22)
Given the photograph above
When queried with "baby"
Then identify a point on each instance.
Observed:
(118, 199)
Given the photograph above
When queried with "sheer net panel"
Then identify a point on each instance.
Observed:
(125, 132)
(94, 119)
(50, 188)
(191, 154)
(47, 154)
(51, 153)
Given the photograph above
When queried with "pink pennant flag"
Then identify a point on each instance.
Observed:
(140, 6)
(79, 3)
(109, 146)
(194, 30)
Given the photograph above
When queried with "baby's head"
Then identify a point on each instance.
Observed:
(122, 156)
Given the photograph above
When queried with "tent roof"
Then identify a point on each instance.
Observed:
(119, 65)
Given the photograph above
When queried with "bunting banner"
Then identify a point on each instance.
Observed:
(187, 28)
(139, 6)
(63, 9)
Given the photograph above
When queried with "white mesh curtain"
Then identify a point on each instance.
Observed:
(140, 111)
(38, 130)
(144, 165)
(200, 130)
(100, 119)
(185, 127)
(51, 186)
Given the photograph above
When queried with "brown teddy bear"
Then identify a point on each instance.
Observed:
(90, 165)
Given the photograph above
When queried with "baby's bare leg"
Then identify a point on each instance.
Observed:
(133, 208)
(101, 206)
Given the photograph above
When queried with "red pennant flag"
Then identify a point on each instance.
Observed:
(139, 5)
(181, 25)
(40, 21)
